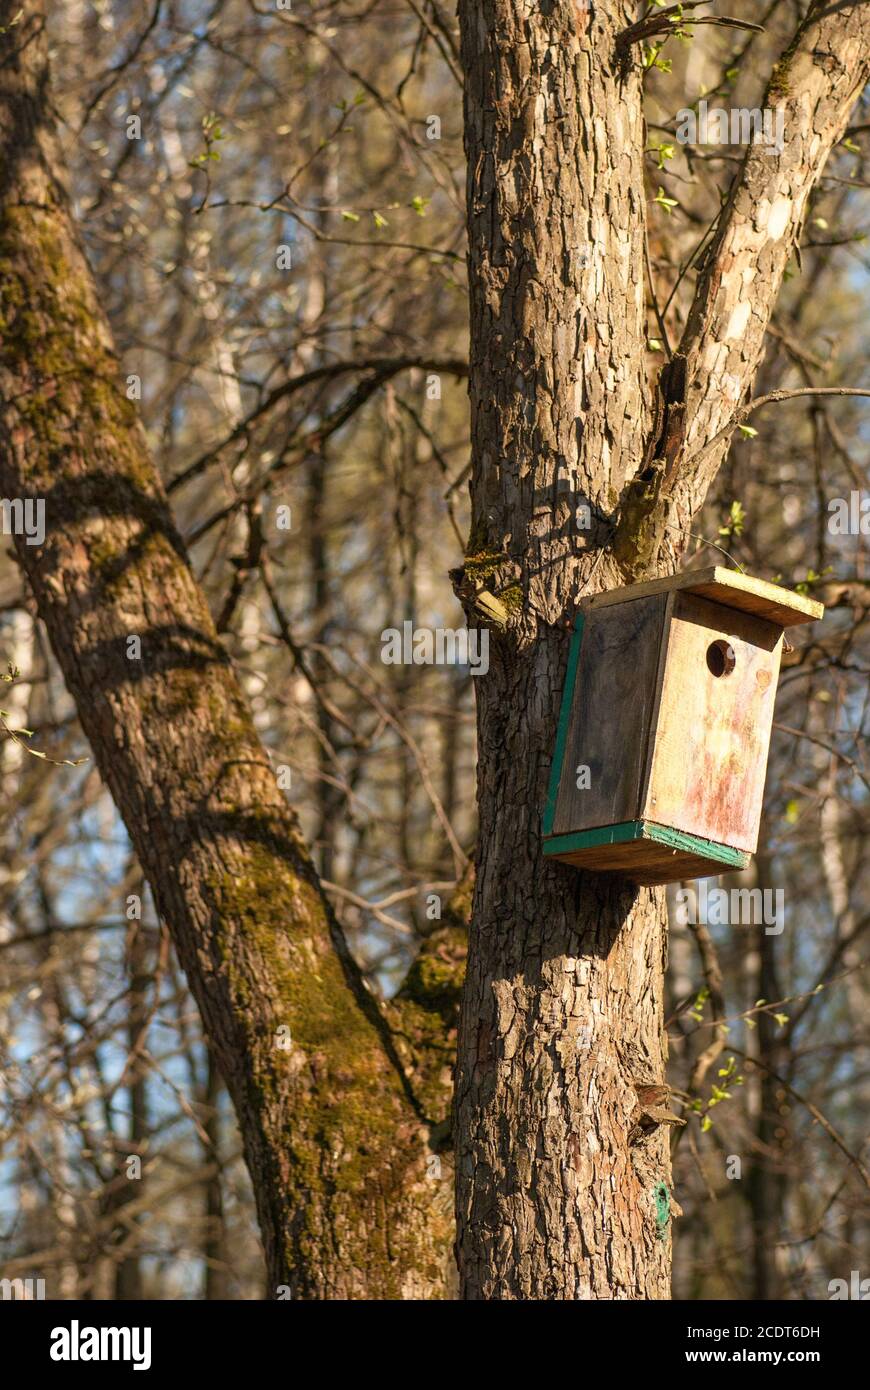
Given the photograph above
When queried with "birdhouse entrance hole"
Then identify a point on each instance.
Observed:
(721, 658)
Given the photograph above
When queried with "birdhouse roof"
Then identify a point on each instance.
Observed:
(729, 587)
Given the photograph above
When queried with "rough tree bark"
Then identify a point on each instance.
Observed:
(563, 1005)
(335, 1136)
(563, 1011)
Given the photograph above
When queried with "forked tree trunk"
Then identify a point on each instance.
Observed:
(563, 1006)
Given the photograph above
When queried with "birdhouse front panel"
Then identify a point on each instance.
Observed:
(710, 739)
(661, 751)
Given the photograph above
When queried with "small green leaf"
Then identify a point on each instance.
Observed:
(16, 19)
(664, 202)
(734, 525)
(812, 578)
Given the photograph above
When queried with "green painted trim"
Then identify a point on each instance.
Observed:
(564, 721)
(678, 839)
(588, 839)
(663, 1208)
(646, 830)
(601, 835)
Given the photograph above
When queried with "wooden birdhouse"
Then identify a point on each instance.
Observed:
(663, 735)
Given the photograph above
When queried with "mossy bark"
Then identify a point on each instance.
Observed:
(335, 1140)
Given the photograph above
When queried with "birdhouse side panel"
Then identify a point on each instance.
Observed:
(613, 700)
(711, 737)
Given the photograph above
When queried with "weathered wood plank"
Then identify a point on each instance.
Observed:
(614, 697)
(728, 587)
(647, 864)
(710, 743)
(646, 853)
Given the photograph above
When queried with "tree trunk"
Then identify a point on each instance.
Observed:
(335, 1142)
(563, 1006)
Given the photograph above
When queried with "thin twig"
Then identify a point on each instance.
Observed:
(814, 1111)
(745, 410)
